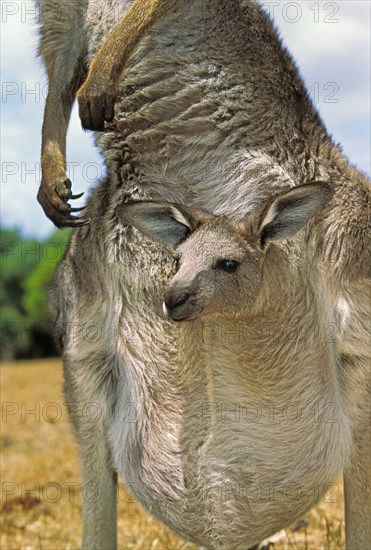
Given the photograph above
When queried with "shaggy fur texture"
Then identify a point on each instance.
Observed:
(225, 429)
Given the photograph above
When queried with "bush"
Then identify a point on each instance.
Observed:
(27, 270)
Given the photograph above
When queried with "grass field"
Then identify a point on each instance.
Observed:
(41, 490)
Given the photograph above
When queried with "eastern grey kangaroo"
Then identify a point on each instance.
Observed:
(205, 108)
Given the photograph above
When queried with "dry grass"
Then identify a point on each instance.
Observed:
(41, 500)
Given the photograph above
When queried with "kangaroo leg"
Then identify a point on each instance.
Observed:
(90, 394)
(98, 94)
(357, 474)
(357, 489)
(62, 48)
(99, 491)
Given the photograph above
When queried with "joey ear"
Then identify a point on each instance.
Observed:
(288, 212)
(165, 222)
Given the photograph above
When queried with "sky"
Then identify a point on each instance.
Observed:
(330, 42)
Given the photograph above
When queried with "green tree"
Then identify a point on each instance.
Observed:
(37, 283)
(27, 270)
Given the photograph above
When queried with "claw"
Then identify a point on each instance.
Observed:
(70, 221)
(80, 209)
(78, 196)
(78, 222)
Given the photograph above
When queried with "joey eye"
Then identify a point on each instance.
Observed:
(176, 262)
(230, 266)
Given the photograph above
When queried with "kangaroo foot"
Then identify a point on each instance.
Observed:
(55, 189)
(54, 200)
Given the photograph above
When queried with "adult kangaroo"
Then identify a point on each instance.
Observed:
(210, 113)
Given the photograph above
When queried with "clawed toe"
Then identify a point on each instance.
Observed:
(75, 222)
(56, 207)
(77, 209)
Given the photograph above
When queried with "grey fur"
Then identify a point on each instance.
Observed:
(214, 115)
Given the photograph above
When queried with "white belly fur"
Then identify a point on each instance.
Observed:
(219, 457)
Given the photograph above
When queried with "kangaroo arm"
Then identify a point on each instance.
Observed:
(62, 48)
(55, 189)
(98, 94)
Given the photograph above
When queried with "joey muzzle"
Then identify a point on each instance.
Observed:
(180, 304)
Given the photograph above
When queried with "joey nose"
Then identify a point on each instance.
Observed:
(176, 299)
(181, 303)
